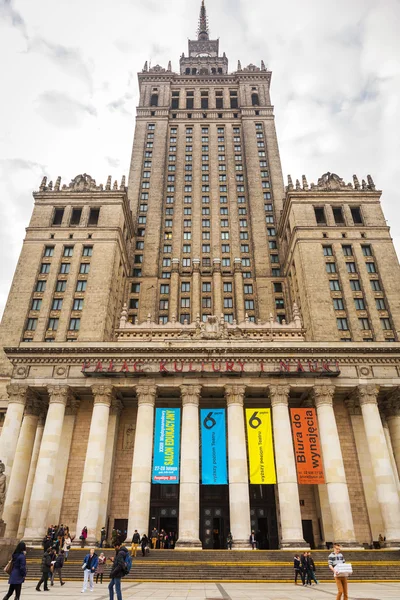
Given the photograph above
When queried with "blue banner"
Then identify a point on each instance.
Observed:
(167, 436)
(213, 447)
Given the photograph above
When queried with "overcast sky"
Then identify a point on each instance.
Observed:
(69, 88)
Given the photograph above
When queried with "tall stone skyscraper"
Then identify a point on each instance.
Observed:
(204, 296)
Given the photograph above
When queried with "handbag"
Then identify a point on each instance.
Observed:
(9, 567)
(343, 569)
(81, 537)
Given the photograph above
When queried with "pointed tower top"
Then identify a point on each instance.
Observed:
(202, 30)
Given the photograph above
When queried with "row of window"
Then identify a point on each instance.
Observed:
(75, 218)
(338, 215)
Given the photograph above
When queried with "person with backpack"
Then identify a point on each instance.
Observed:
(135, 543)
(18, 572)
(122, 564)
(58, 565)
(89, 567)
(46, 565)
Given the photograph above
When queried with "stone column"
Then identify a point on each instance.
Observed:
(392, 412)
(196, 293)
(174, 294)
(53, 516)
(31, 476)
(20, 470)
(89, 504)
(113, 421)
(139, 501)
(189, 492)
(239, 497)
(366, 469)
(239, 296)
(17, 395)
(43, 485)
(288, 489)
(335, 477)
(217, 287)
(386, 490)
(388, 439)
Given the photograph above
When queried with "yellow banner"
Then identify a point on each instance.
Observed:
(260, 445)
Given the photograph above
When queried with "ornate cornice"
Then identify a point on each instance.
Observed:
(366, 394)
(59, 394)
(103, 394)
(146, 394)
(190, 394)
(234, 394)
(17, 393)
(279, 394)
(323, 395)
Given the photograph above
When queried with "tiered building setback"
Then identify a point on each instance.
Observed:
(204, 350)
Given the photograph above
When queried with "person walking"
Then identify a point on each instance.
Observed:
(253, 540)
(297, 569)
(89, 567)
(135, 543)
(229, 541)
(83, 536)
(46, 565)
(67, 546)
(154, 537)
(100, 568)
(60, 535)
(58, 565)
(118, 571)
(103, 535)
(18, 572)
(311, 568)
(144, 542)
(305, 568)
(335, 558)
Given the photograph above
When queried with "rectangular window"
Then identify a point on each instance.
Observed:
(185, 302)
(74, 324)
(228, 303)
(342, 324)
(330, 267)
(359, 303)
(85, 268)
(248, 289)
(68, 251)
(375, 285)
(87, 251)
(40, 286)
(45, 268)
(164, 289)
(52, 325)
(186, 262)
(366, 250)
(64, 268)
(187, 248)
(135, 288)
(338, 216)
(81, 285)
(351, 267)
(93, 217)
(278, 289)
(370, 267)
(206, 302)
(364, 323)
(274, 258)
(187, 235)
(137, 273)
(244, 235)
(356, 214)
(385, 323)
(380, 303)
(338, 304)
(78, 304)
(320, 215)
(224, 235)
(58, 216)
(133, 304)
(31, 324)
(347, 250)
(164, 304)
(185, 287)
(61, 286)
(226, 262)
(225, 248)
(57, 304)
(355, 285)
(49, 251)
(205, 248)
(334, 285)
(245, 262)
(166, 262)
(249, 304)
(36, 304)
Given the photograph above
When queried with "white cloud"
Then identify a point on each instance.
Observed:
(69, 88)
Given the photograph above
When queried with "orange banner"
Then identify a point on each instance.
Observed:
(306, 445)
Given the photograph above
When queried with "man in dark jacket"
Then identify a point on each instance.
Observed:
(46, 564)
(58, 565)
(117, 571)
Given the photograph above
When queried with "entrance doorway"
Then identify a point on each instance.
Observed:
(214, 516)
(121, 526)
(308, 533)
(263, 516)
(164, 510)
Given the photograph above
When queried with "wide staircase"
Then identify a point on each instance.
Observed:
(229, 566)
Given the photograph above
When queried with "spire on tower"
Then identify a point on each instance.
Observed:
(202, 30)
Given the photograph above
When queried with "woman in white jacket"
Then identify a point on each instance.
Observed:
(67, 546)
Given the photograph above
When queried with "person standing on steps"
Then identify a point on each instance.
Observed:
(46, 564)
(89, 566)
(297, 569)
(135, 543)
(311, 569)
(154, 537)
(18, 573)
(100, 568)
(335, 558)
(103, 535)
(67, 546)
(83, 536)
(253, 540)
(144, 543)
(58, 565)
(229, 541)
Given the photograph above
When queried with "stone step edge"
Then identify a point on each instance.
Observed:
(266, 581)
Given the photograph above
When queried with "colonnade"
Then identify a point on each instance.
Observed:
(35, 449)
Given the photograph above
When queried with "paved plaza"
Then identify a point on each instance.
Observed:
(211, 591)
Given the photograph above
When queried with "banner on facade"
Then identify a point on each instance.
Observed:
(260, 445)
(213, 447)
(307, 445)
(167, 433)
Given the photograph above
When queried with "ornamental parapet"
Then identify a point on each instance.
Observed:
(215, 328)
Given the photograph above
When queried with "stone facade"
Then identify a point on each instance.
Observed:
(202, 283)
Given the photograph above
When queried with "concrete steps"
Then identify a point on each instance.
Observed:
(224, 565)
